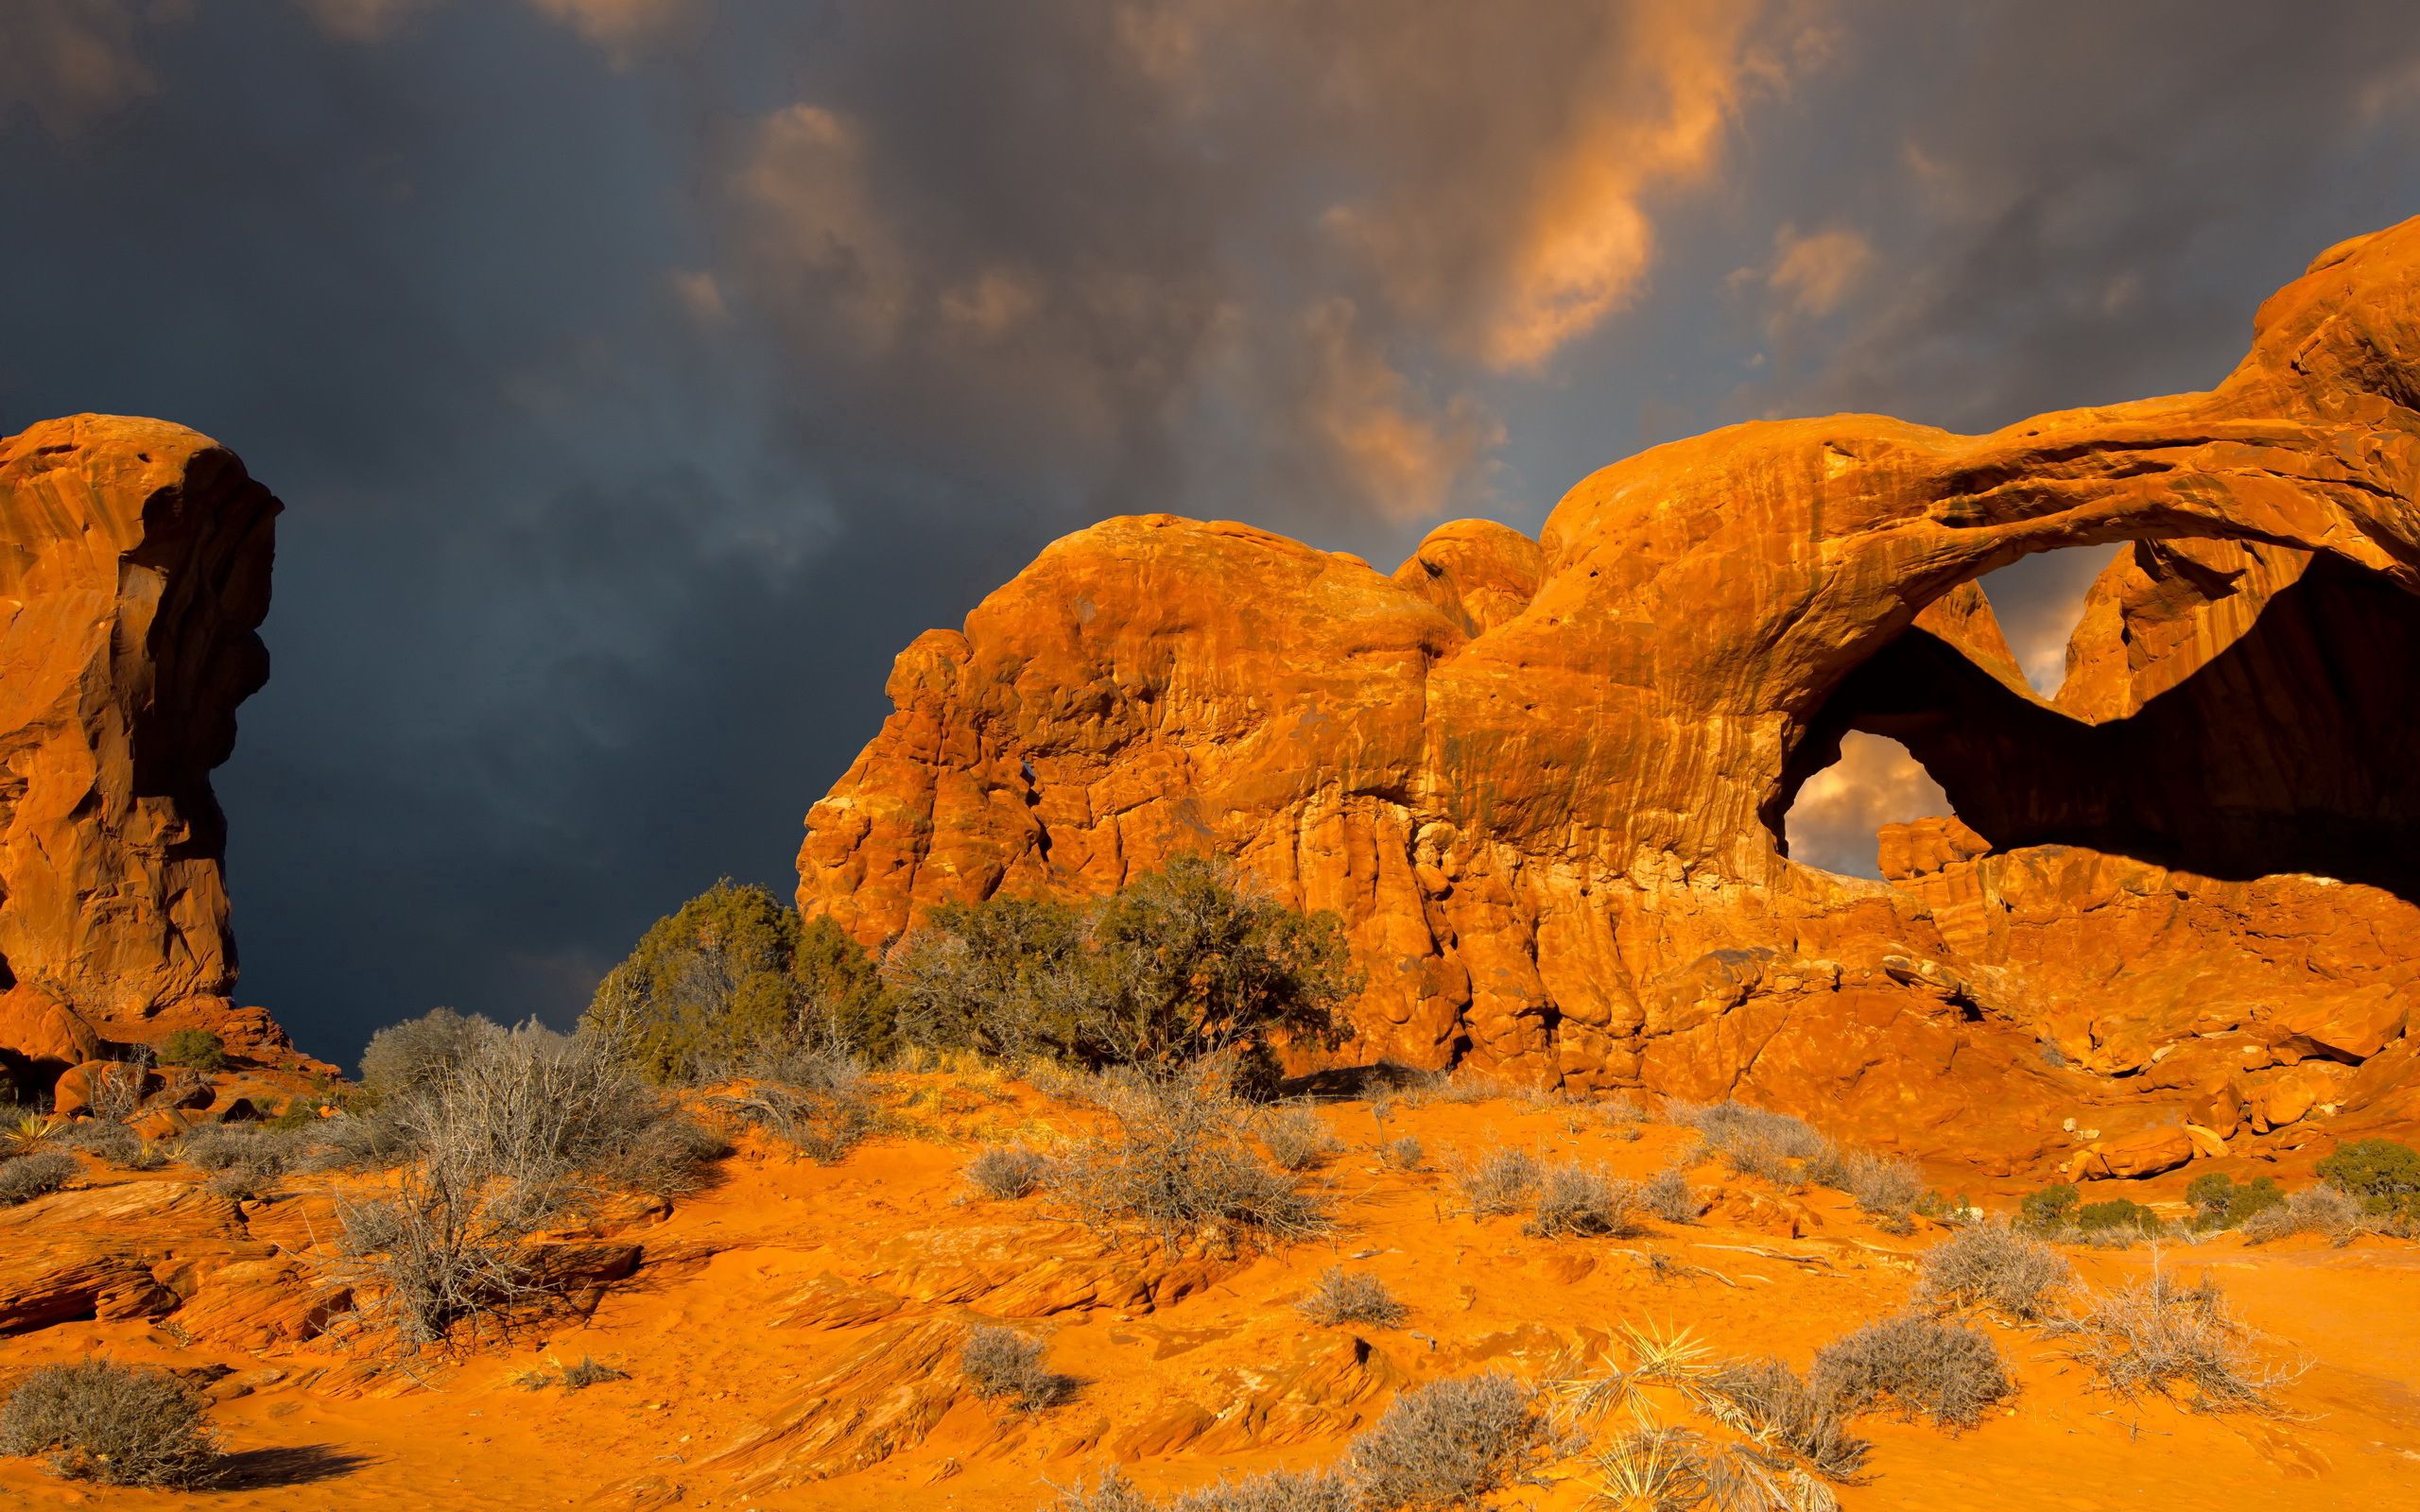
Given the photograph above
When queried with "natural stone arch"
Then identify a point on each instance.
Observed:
(1535, 779)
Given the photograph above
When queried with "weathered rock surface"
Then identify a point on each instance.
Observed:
(134, 569)
(1546, 792)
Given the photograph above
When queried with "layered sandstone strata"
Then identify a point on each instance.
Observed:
(1545, 784)
(134, 570)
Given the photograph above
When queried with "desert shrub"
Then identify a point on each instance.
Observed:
(525, 1128)
(246, 1161)
(1666, 1195)
(1884, 1186)
(1924, 1366)
(1461, 1085)
(2051, 1209)
(423, 1052)
(196, 1049)
(1177, 965)
(666, 1156)
(817, 1100)
(1179, 1161)
(731, 974)
(28, 1177)
(372, 1140)
(1012, 978)
(1992, 1267)
(111, 1423)
(1405, 1154)
(1006, 1172)
(591, 1371)
(300, 1112)
(2158, 1337)
(118, 1086)
(1274, 1491)
(1678, 1469)
(2311, 1210)
(1500, 1183)
(1578, 1201)
(2220, 1203)
(1001, 1362)
(2118, 1218)
(2381, 1173)
(1784, 1150)
(1448, 1444)
(1295, 1138)
(104, 1139)
(1350, 1297)
(1768, 1402)
(1111, 1492)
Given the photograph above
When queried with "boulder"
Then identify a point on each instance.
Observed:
(44, 1033)
(80, 1089)
(2148, 1153)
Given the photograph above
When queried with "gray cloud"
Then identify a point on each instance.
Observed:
(641, 375)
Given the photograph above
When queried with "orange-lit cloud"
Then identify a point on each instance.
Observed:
(1812, 273)
(812, 218)
(1401, 457)
(1262, 247)
(620, 27)
(615, 24)
(1515, 153)
(1875, 783)
(70, 62)
(363, 20)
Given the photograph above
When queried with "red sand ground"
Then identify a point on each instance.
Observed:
(754, 1291)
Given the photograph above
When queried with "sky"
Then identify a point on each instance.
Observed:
(641, 375)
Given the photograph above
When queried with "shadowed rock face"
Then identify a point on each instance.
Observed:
(1545, 786)
(134, 569)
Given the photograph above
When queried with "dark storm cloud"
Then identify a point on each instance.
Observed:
(641, 375)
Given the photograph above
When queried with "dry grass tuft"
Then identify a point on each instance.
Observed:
(1274, 1491)
(1001, 1362)
(1500, 1183)
(1751, 1142)
(1348, 1297)
(815, 1099)
(2311, 1210)
(1924, 1366)
(116, 1425)
(1179, 1161)
(1295, 1138)
(2157, 1337)
(36, 1174)
(1007, 1172)
(1996, 1268)
(1449, 1444)
(1578, 1201)
(1666, 1195)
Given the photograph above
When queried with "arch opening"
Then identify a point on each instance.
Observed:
(2039, 602)
(1835, 823)
(2226, 708)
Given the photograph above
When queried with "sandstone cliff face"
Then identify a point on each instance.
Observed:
(1544, 786)
(134, 568)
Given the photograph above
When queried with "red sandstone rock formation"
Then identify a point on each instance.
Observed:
(134, 568)
(1545, 785)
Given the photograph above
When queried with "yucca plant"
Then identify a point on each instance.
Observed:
(27, 1131)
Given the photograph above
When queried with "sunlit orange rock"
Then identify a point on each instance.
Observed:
(1549, 805)
(134, 569)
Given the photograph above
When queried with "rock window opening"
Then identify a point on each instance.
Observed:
(1837, 821)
